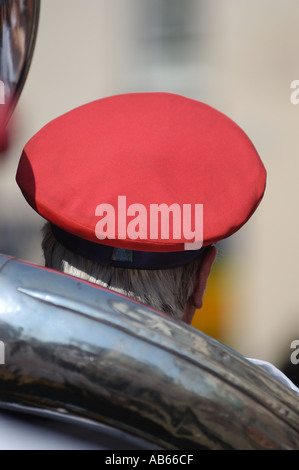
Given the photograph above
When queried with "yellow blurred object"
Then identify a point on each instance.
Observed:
(209, 318)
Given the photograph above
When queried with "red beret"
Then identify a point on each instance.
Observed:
(115, 161)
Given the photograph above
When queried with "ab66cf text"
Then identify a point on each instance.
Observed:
(153, 459)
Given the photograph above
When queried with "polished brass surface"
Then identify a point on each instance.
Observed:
(18, 30)
(83, 352)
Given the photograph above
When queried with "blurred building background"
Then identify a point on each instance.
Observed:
(239, 56)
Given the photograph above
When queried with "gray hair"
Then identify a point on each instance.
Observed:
(166, 290)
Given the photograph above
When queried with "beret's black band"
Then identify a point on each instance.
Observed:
(123, 258)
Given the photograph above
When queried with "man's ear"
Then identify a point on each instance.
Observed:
(202, 278)
(200, 284)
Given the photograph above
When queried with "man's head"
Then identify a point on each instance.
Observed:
(137, 189)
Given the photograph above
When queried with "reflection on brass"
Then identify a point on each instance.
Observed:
(18, 30)
(82, 352)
